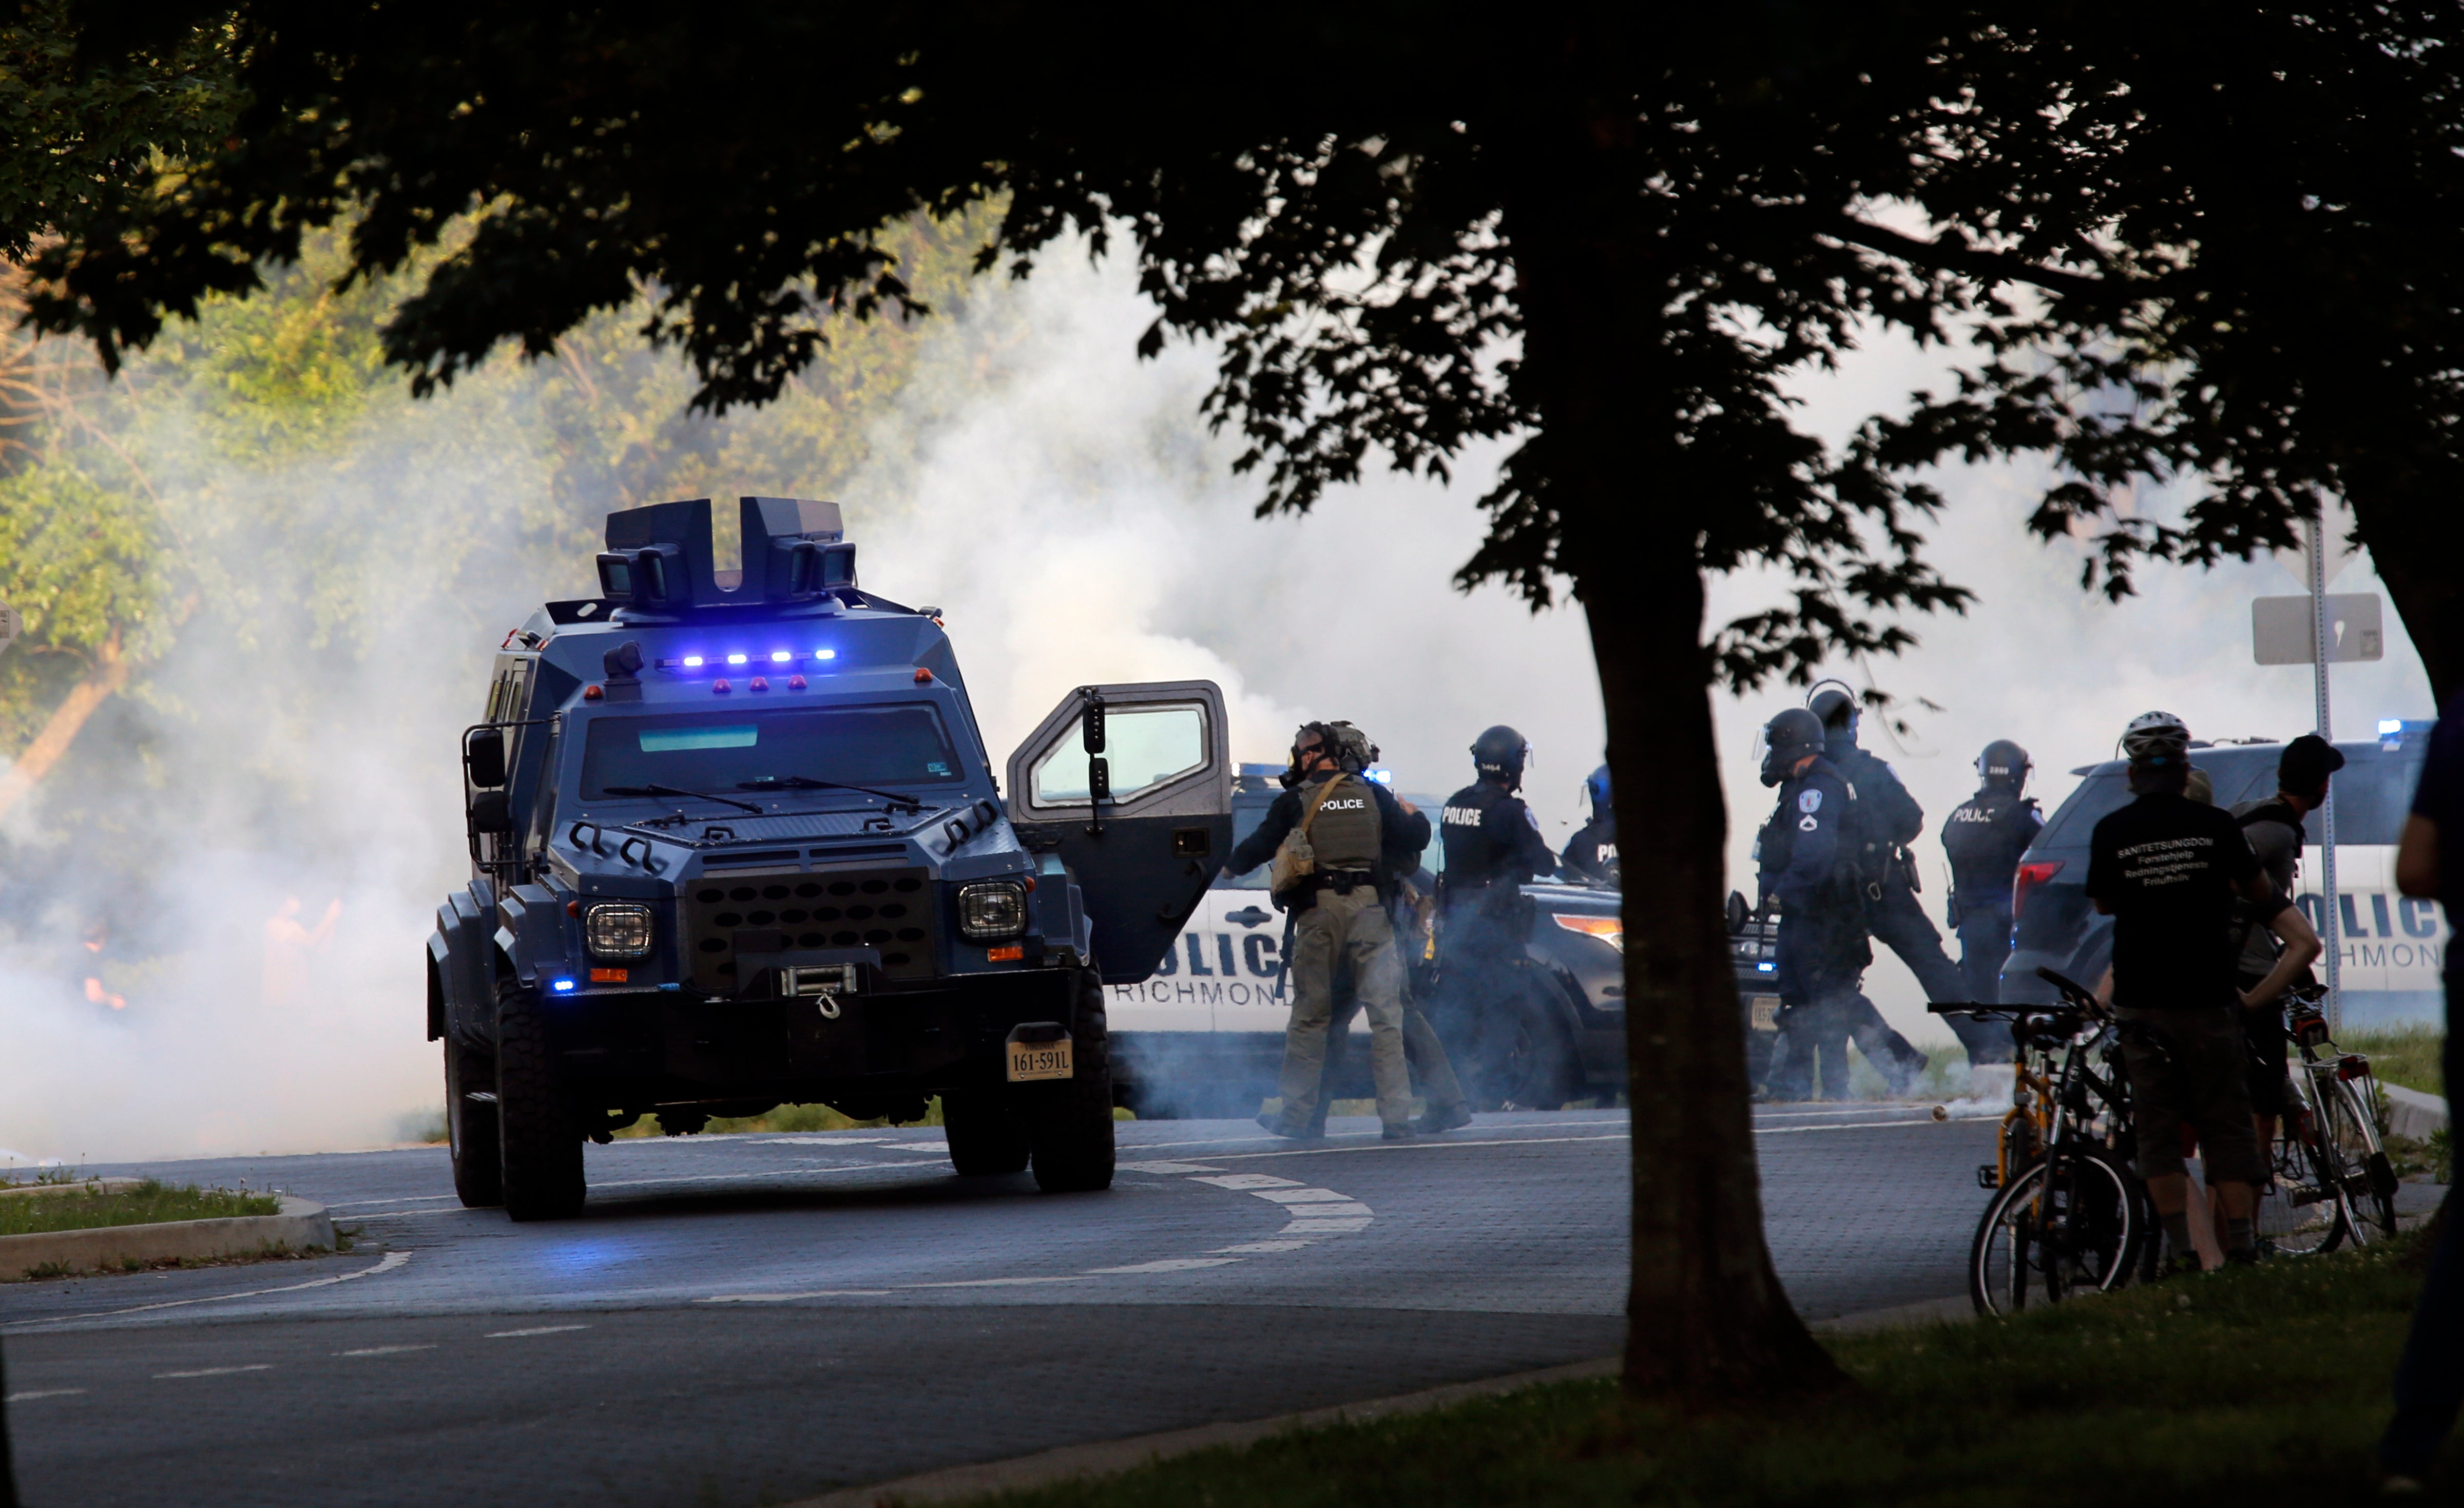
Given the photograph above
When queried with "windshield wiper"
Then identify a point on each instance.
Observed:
(808, 783)
(671, 790)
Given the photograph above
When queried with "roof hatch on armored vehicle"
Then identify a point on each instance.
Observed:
(1131, 786)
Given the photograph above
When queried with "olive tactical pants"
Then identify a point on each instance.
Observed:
(1354, 928)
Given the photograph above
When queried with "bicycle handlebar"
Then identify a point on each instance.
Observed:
(2072, 990)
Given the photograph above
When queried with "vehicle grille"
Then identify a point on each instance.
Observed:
(890, 909)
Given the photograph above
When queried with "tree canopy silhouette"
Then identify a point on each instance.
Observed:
(1609, 236)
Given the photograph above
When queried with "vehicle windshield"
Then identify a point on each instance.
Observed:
(898, 744)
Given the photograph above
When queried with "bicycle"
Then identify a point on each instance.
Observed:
(2069, 1214)
(2332, 1180)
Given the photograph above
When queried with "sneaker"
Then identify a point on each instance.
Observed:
(1395, 1133)
(1442, 1117)
(2180, 1264)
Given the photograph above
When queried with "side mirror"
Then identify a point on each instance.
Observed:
(491, 811)
(1099, 778)
(484, 757)
(1090, 724)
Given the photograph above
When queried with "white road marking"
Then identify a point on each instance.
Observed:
(386, 1350)
(1867, 1126)
(1348, 1208)
(1247, 1246)
(997, 1282)
(217, 1371)
(1429, 1144)
(1248, 1181)
(538, 1329)
(1300, 1196)
(1324, 1227)
(1167, 1167)
(818, 1141)
(780, 1298)
(1176, 1264)
(393, 1260)
(47, 1392)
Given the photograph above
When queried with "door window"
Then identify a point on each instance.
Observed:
(1144, 747)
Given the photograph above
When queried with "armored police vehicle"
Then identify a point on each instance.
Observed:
(1204, 1034)
(736, 841)
(2393, 945)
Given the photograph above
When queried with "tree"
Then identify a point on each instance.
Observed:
(1606, 237)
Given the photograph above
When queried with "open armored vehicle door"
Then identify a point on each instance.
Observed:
(1132, 786)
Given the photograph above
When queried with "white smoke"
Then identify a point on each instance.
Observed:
(1061, 500)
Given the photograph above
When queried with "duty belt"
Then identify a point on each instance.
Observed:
(1342, 881)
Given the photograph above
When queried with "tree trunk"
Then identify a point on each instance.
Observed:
(1708, 1322)
(1708, 1319)
(2414, 541)
(109, 673)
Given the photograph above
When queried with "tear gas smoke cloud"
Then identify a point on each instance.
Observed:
(1063, 503)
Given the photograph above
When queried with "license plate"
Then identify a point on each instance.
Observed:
(1029, 1060)
(1765, 1012)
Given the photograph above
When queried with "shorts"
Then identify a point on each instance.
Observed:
(2194, 1073)
(2265, 1051)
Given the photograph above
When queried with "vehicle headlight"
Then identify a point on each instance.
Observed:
(1609, 930)
(617, 930)
(991, 911)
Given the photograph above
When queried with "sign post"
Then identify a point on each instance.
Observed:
(2316, 630)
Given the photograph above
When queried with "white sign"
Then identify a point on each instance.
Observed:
(2279, 629)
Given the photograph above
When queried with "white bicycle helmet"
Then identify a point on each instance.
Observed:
(2155, 737)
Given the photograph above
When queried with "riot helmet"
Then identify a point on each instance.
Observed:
(1787, 739)
(2004, 763)
(1836, 703)
(1347, 745)
(1500, 754)
(1595, 794)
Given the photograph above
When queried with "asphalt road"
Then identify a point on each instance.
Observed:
(757, 1318)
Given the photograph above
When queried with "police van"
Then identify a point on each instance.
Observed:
(1204, 1034)
(2393, 945)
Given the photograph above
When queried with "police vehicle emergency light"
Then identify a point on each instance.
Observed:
(736, 841)
(2393, 945)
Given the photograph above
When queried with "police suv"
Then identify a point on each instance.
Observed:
(1204, 1034)
(736, 841)
(2393, 945)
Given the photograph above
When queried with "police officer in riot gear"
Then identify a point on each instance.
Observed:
(1345, 821)
(1984, 838)
(1492, 844)
(1591, 855)
(1888, 820)
(1809, 860)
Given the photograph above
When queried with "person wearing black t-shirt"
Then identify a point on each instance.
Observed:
(2167, 869)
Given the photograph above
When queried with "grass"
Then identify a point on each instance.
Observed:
(800, 1119)
(87, 1208)
(2407, 1056)
(2247, 1387)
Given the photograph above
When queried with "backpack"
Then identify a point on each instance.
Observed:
(1294, 859)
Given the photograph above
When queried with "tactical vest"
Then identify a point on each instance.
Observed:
(1345, 833)
(1983, 837)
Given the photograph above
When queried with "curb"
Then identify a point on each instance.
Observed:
(2413, 1114)
(299, 1226)
(1104, 1458)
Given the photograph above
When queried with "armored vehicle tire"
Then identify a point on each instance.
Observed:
(541, 1136)
(986, 1138)
(471, 1126)
(1069, 1125)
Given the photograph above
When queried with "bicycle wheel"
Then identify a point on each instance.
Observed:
(2075, 1222)
(2302, 1211)
(2362, 1170)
